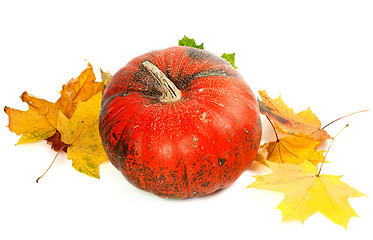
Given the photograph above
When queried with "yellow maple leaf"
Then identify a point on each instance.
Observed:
(307, 193)
(290, 149)
(37, 123)
(81, 133)
(305, 123)
(78, 90)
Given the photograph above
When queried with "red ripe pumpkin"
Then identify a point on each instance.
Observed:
(180, 122)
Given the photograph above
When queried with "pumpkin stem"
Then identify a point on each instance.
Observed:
(170, 93)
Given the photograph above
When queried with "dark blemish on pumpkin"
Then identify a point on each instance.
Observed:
(168, 73)
(114, 135)
(151, 88)
(173, 174)
(185, 178)
(221, 161)
(196, 54)
(206, 184)
(236, 154)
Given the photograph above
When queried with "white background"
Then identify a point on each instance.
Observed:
(313, 53)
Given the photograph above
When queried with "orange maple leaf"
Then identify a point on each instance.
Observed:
(79, 89)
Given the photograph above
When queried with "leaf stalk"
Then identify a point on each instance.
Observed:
(55, 157)
(327, 151)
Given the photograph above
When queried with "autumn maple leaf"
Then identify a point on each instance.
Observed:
(307, 192)
(302, 133)
(291, 149)
(303, 124)
(37, 123)
(79, 89)
(66, 129)
(81, 134)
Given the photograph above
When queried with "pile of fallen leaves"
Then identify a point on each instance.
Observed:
(296, 163)
(71, 125)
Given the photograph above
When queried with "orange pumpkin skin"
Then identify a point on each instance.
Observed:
(189, 147)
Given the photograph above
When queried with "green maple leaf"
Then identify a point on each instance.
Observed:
(189, 42)
(230, 58)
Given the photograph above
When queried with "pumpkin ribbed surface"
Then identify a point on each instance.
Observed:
(189, 147)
